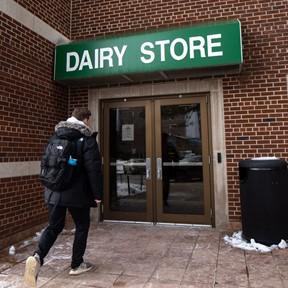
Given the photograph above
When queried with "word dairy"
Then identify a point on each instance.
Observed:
(101, 56)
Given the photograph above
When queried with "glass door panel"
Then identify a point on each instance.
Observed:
(129, 162)
(127, 159)
(182, 158)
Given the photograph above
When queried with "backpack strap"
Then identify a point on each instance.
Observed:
(79, 150)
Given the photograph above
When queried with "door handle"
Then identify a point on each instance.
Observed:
(148, 168)
(159, 168)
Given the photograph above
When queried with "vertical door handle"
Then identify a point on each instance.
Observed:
(148, 168)
(159, 168)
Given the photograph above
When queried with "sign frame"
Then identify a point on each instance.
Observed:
(202, 46)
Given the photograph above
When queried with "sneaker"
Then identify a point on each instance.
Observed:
(32, 268)
(82, 268)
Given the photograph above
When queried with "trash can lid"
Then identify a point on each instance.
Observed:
(265, 158)
(271, 163)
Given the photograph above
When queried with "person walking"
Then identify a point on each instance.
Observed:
(84, 191)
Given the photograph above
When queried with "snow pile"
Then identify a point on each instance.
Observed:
(237, 241)
(12, 250)
(37, 236)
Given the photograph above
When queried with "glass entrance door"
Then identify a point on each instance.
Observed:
(156, 161)
(182, 161)
(127, 161)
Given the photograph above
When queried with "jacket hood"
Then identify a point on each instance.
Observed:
(65, 127)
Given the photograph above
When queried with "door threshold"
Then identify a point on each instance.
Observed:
(185, 225)
(128, 222)
(160, 223)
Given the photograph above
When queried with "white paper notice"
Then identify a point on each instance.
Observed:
(128, 132)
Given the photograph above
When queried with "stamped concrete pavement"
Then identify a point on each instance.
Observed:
(147, 256)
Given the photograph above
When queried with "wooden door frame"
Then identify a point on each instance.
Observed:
(153, 203)
(120, 215)
(186, 218)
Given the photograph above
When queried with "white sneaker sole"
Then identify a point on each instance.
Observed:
(31, 272)
(78, 272)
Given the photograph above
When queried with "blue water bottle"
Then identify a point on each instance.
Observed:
(72, 161)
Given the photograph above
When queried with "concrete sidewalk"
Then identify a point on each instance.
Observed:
(144, 256)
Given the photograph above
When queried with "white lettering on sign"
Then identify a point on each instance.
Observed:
(106, 54)
(177, 49)
(184, 48)
(162, 44)
(215, 44)
(180, 48)
(86, 60)
(197, 43)
(96, 58)
(70, 55)
(102, 57)
(120, 54)
(149, 53)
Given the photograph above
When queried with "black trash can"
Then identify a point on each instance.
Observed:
(264, 200)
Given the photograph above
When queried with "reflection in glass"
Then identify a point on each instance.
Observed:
(127, 159)
(182, 173)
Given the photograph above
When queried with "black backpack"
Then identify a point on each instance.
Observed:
(60, 161)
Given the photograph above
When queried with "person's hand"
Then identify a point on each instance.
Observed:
(97, 201)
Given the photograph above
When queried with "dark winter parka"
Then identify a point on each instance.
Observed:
(87, 184)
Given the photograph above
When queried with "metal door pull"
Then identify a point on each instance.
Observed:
(148, 168)
(159, 168)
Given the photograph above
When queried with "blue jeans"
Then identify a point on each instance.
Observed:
(81, 218)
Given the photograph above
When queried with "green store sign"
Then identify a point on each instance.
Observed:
(200, 46)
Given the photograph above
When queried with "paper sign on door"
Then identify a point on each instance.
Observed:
(128, 132)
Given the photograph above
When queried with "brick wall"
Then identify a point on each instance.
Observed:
(21, 204)
(30, 100)
(78, 97)
(55, 13)
(30, 105)
(256, 104)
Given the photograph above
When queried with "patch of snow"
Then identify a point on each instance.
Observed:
(237, 241)
(260, 247)
(68, 231)
(60, 257)
(25, 244)
(282, 244)
(15, 282)
(38, 235)
(12, 250)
